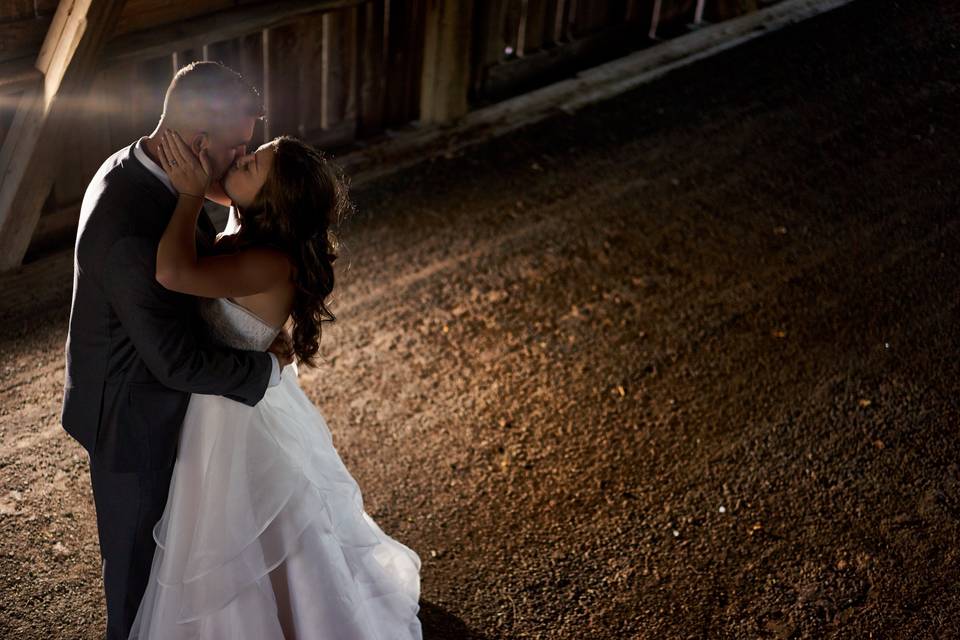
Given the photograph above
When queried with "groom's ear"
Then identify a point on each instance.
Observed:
(199, 142)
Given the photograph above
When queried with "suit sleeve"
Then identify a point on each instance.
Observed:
(161, 327)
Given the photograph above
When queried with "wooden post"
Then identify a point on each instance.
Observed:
(446, 60)
(28, 158)
(488, 43)
(370, 70)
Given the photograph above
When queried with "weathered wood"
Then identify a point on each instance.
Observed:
(118, 92)
(338, 135)
(152, 79)
(229, 23)
(140, 15)
(535, 26)
(17, 75)
(97, 144)
(280, 83)
(568, 17)
(404, 60)
(510, 25)
(488, 41)
(244, 55)
(717, 10)
(372, 81)
(251, 66)
(22, 38)
(311, 43)
(224, 51)
(596, 15)
(16, 10)
(489, 122)
(28, 157)
(553, 25)
(340, 63)
(69, 184)
(675, 14)
(54, 228)
(545, 65)
(45, 7)
(446, 62)
(7, 114)
(589, 86)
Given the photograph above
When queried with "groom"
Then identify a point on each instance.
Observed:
(133, 349)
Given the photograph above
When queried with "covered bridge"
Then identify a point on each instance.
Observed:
(81, 78)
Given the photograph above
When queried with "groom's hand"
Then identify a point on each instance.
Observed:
(282, 347)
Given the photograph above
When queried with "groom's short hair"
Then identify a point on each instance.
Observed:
(204, 93)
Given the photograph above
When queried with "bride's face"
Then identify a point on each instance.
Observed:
(243, 180)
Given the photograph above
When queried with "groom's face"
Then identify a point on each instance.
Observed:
(227, 143)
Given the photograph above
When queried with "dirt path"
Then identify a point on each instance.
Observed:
(681, 366)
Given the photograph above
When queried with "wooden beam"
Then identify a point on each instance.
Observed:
(28, 158)
(222, 25)
(445, 79)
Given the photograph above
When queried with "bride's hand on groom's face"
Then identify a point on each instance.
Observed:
(188, 173)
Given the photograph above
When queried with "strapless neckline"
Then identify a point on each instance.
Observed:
(252, 314)
(233, 325)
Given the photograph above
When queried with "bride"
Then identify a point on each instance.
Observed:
(264, 534)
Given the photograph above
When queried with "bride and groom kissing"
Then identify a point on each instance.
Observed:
(223, 508)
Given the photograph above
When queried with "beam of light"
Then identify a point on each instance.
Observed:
(98, 103)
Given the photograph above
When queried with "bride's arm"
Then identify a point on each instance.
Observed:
(179, 268)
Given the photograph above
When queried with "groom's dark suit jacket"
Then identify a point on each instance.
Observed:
(135, 351)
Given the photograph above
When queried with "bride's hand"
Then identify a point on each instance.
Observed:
(189, 174)
(282, 347)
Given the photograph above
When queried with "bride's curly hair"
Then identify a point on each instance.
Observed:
(303, 193)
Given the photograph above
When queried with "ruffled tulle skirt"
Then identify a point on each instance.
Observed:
(264, 535)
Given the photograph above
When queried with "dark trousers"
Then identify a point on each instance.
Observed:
(128, 505)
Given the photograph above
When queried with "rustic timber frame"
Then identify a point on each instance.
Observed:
(344, 74)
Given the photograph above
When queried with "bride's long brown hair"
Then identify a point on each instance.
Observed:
(303, 193)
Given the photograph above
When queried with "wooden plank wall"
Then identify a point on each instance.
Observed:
(332, 77)
(529, 43)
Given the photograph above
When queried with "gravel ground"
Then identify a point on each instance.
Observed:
(683, 365)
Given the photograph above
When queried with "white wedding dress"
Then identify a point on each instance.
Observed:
(264, 535)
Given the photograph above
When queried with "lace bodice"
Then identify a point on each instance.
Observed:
(235, 326)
